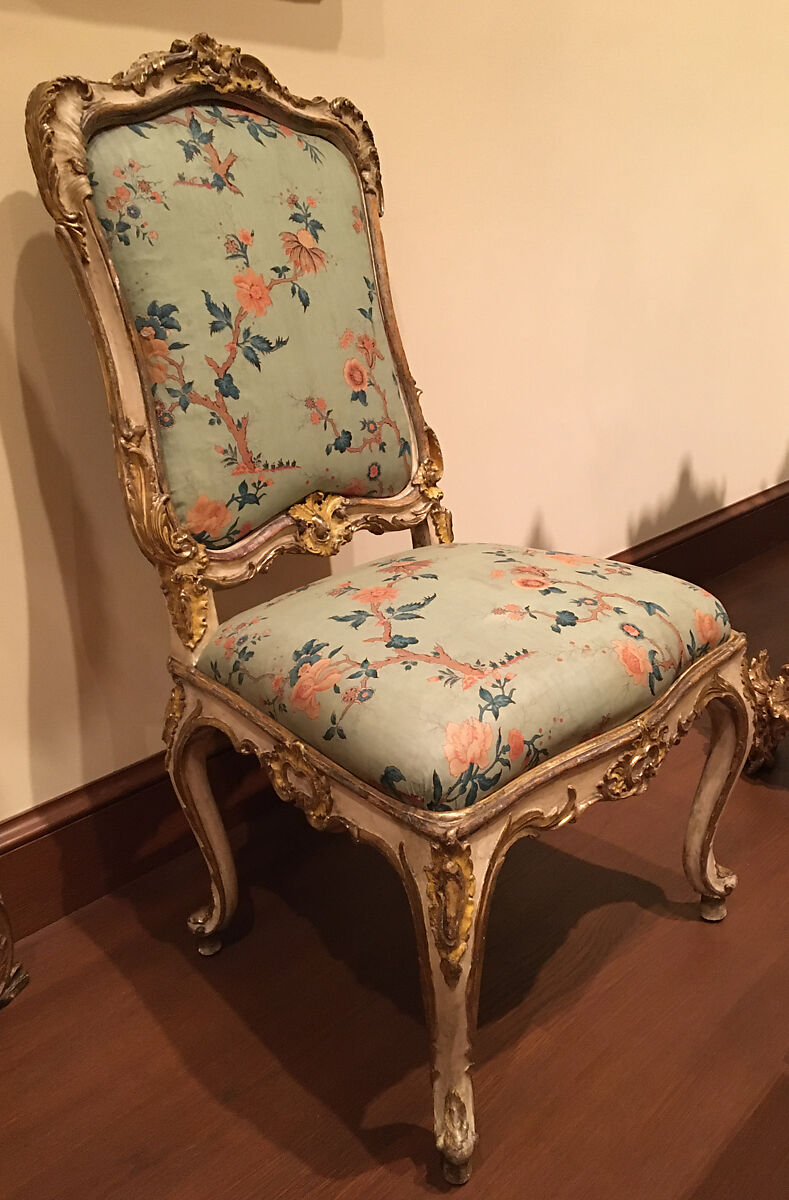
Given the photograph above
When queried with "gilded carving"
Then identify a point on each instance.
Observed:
(57, 151)
(450, 895)
(181, 561)
(13, 976)
(426, 479)
(202, 60)
(631, 773)
(769, 701)
(321, 525)
(296, 780)
(172, 717)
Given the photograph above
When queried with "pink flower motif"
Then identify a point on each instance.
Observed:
(245, 237)
(208, 516)
(633, 657)
(404, 567)
(118, 172)
(498, 574)
(511, 611)
(314, 678)
(516, 742)
(312, 201)
(377, 595)
(467, 742)
(251, 292)
(529, 581)
(572, 560)
(346, 339)
(302, 250)
(358, 223)
(355, 375)
(154, 351)
(369, 349)
(709, 630)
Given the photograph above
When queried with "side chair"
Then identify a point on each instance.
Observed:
(440, 704)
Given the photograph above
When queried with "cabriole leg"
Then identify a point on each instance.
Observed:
(728, 750)
(445, 883)
(187, 766)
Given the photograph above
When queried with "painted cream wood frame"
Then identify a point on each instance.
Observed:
(447, 861)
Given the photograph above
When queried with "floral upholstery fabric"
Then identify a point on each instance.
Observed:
(243, 254)
(439, 675)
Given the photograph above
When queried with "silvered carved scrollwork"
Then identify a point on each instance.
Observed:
(768, 697)
(450, 895)
(180, 560)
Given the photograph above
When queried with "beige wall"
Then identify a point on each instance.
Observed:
(588, 206)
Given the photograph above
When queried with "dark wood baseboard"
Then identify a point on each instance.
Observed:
(77, 847)
(711, 545)
(88, 842)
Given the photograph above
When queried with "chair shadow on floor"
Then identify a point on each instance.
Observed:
(323, 976)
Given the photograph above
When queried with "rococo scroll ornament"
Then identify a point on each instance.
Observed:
(172, 717)
(61, 168)
(450, 894)
(321, 523)
(202, 60)
(181, 561)
(769, 700)
(632, 772)
(296, 780)
(428, 474)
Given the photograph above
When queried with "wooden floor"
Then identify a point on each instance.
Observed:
(626, 1048)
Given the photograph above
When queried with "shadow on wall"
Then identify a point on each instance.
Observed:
(688, 501)
(308, 24)
(783, 470)
(98, 637)
(95, 616)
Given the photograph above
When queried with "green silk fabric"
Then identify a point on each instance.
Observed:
(439, 675)
(243, 255)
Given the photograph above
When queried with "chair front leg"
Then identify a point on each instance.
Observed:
(726, 756)
(186, 762)
(448, 888)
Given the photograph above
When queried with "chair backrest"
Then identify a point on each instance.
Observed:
(225, 236)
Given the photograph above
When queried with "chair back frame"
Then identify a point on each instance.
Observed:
(62, 116)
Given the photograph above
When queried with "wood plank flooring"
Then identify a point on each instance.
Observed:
(626, 1048)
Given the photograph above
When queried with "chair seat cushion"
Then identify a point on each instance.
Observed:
(440, 674)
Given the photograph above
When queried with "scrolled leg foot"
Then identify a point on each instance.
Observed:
(726, 756)
(187, 765)
(455, 1134)
(447, 887)
(199, 924)
(457, 1173)
(712, 908)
